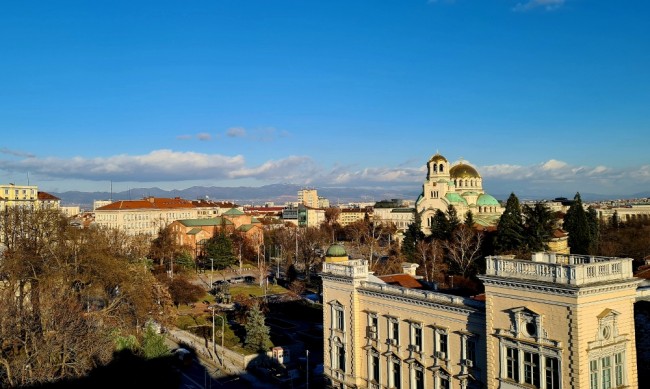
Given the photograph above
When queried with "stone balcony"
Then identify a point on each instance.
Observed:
(356, 269)
(567, 269)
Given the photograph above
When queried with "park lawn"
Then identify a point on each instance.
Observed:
(255, 290)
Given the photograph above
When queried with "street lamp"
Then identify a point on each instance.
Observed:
(223, 327)
(307, 387)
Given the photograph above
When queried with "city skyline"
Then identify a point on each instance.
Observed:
(539, 95)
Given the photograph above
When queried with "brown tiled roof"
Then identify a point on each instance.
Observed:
(403, 280)
(643, 272)
(559, 233)
(149, 203)
(47, 196)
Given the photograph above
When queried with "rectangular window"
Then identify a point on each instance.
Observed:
(417, 337)
(442, 343)
(419, 379)
(606, 370)
(593, 374)
(531, 368)
(552, 373)
(341, 358)
(444, 382)
(396, 376)
(618, 367)
(374, 368)
(512, 363)
(471, 350)
(393, 329)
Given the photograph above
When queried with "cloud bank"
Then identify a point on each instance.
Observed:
(174, 167)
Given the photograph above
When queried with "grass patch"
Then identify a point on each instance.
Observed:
(255, 290)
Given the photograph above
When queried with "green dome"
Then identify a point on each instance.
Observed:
(336, 250)
(486, 199)
(455, 198)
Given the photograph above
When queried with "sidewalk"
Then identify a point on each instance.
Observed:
(207, 358)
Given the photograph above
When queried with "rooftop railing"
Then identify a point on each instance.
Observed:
(356, 268)
(568, 269)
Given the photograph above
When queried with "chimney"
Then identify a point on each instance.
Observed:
(409, 268)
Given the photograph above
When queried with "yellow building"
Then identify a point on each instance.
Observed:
(559, 321)
(18, 195)
(308, 197)
(144, 216)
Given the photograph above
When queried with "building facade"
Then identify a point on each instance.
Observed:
(458, 185)
(558, 321)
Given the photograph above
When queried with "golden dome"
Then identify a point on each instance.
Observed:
(463, 171)
(438, 158)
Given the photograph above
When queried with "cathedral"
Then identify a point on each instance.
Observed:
(459, 185)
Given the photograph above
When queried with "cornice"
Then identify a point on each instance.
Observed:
(557, 289)
(419, 302)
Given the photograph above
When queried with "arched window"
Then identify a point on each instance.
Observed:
(442, 168)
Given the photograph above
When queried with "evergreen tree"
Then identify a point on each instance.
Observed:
(469, 219)
(412, 236)
(440, 228)
(220, 249)
(510, 229)
(538, 226)
(576, 224)
(153, 343)
(452, 219)
(594, 229)
(614, 222)
(257, 332)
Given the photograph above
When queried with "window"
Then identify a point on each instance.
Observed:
(531, 368)
(552, 377)
(338, 318)
(618, 368)
(393, 331)
(373, 366)
(418, 377)
(340, 356)
(440, 341)
(512, 363)
(606, 371)
(593, 374)
(416, 337)
(395, 373)
(373, 325)
(444, 382)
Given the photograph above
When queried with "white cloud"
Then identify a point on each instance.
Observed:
(548, 5)
(184, 137)
(554, 164)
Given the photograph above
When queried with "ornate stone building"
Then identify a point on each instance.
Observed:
(558, 321)
(459, 185)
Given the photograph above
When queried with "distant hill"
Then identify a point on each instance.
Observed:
(278, 193)
(282, 193)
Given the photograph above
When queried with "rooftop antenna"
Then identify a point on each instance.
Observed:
(27, 178)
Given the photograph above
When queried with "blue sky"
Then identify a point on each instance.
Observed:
(545, 96)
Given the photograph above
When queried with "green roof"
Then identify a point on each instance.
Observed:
(255, 220)
(486, 199)
(455, 198)
(336, 250)
(233, 212)
(194, 231)
(245, 227)
(215, 221)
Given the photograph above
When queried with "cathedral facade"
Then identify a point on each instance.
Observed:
(458, 185)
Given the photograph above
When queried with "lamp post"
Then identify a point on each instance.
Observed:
(211, 270)
(307, 370)
(223, 326)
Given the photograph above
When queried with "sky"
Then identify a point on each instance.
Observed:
(541, 96)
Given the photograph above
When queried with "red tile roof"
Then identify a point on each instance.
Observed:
(149, 203)
(47, 196)
(403, 280)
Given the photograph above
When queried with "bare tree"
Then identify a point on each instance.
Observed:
(463, 249)
(429, 254)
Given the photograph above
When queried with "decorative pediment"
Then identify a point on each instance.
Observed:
(526, 323)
